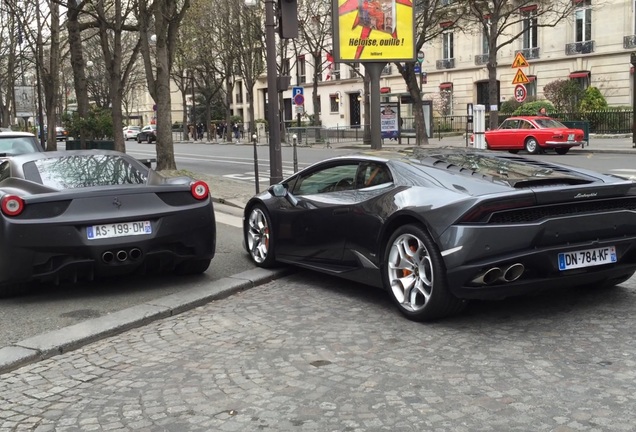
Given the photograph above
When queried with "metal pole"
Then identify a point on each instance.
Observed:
(295, 140)
(375, 70)
(254, 137)
(632, 60)
(275, 158)
(194, 123)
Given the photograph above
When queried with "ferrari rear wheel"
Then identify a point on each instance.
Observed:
(415, 276)
(258, 237)
(194, 266)
(532, 146)
(562, 150)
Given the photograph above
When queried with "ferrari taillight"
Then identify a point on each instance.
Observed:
(12, 205)
(199, 190)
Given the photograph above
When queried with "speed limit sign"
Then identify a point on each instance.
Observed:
(520, 93)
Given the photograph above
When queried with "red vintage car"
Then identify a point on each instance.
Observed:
(534, 134)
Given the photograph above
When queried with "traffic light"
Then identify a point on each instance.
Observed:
(288, 19)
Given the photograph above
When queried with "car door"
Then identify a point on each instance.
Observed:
(315, 230)
(500, 138)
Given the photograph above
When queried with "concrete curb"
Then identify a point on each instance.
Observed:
(70, 338)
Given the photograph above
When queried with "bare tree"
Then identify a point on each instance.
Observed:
(159, 22)
(315, 31)
(429, 17)
(502, 22)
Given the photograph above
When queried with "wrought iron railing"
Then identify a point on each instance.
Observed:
(629, 42)
(445, 63)
(481, 59)
(530, 53)
(585, 47)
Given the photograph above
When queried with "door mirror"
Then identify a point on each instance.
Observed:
(280, 191)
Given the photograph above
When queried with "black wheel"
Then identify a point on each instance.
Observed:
(532, 146)
(513, 151)
(138, 139)
(258, 237)
(191, 267)
(149, 139)
(11, 290)
(562, 150)
(415, 276)
(487, 145)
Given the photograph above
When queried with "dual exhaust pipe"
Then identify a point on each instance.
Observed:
(121, 255)
(495, 274)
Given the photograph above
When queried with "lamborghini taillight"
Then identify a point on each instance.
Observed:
(482, 212)
(12, 205)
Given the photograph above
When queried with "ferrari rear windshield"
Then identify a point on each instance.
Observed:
(550, 123)
(78, 171)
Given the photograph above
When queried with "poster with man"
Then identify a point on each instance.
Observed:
(24, 101)
(390, 119)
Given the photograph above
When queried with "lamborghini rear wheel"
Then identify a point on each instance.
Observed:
(415, 276)
(258, 237)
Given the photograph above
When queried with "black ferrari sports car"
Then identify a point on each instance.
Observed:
(73, 215)
(438, 227)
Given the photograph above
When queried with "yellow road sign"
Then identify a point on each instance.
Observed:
(519, 61)
(520, 78)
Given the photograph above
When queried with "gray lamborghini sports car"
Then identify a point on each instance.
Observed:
(441, 226)
(85, 214)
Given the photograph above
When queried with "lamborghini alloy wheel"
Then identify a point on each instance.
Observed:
(415, 275)
(258, 237)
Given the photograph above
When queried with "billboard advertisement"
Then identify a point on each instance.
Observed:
(389, 119)
(373, 30)
(24, 101)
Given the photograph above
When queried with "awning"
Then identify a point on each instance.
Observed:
(446, 86)
(583, 74)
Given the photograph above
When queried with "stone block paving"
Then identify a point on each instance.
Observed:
(313, 353)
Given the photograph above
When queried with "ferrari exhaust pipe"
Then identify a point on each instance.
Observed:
(513, 272)
(488, 277)
(108, 257)
(135, 254)
(122, 255)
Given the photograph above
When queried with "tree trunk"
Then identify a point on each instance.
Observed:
(78, 65)
(413, 87)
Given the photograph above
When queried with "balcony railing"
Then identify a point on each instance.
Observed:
(629, 42)
(575, 48)
(481, 59)
(529, 53)
(445, 64)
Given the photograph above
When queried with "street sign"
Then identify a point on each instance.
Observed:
(417, 68)
(420, 57)
(519, 61)
(520, 93)
(520, 78)
(299, 99)
(300, 109)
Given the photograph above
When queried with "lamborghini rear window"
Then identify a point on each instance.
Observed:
(78, 171)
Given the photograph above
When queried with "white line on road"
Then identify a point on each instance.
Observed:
(228, 219)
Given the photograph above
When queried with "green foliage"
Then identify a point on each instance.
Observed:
(593, 100)
(564, 94)
(509, 106)
(98, 124)
(532, 108)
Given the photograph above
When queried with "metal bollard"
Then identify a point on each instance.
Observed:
(254, 137)
(294, 142)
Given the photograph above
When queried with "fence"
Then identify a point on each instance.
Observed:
(600, 122)
(309, 135)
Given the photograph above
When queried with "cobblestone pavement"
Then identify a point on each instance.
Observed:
(311, 353)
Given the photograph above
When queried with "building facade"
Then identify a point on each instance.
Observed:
(592, 46)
